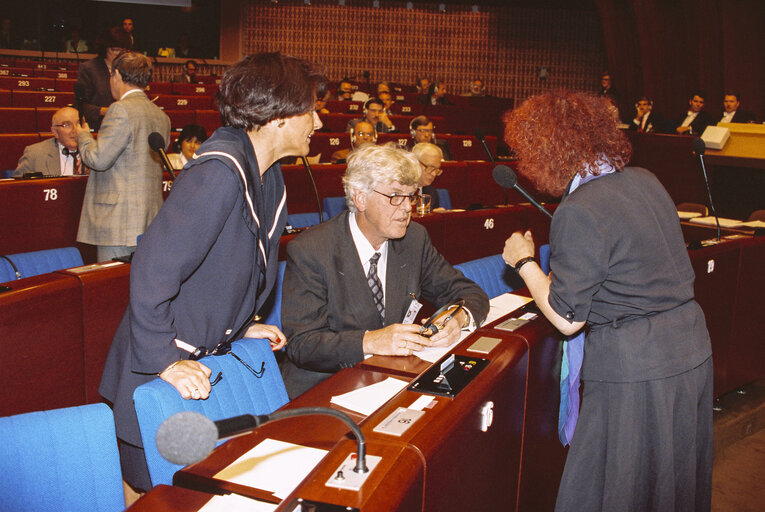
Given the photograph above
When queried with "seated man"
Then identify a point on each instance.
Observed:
(732, 113)
(374, 114)
(189, 75)
(422, 130)
(58, 156)
(344, 91)
(361, 133)
(388, 101)
(330, 314)
(429, 156)
(696, 119)
(646, 120)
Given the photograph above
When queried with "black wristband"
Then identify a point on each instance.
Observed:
(521, 262)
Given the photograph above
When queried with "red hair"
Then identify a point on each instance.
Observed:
(558, 134)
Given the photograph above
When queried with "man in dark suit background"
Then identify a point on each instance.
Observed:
(58, 156)
(353, 283)
(646, 120)
(696, 119)
(731, 111)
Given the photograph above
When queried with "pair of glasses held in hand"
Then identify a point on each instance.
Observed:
(440, 318)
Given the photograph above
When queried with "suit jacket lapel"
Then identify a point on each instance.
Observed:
(397, 298)
(53, 162)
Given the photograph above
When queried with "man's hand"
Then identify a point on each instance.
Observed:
(450, 332)
(270, 332)
(190, 378)
(83, 127)
(517, 247)
(395, 340)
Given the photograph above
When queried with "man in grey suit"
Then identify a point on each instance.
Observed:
(352, 284)
(124, 190)
(57, 156)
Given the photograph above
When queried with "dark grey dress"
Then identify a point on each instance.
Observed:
(644, 437)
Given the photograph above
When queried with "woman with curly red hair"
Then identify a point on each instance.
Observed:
(619, 265)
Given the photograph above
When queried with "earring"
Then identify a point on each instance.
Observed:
(281, 123)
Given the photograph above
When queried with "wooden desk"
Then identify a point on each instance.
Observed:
(166, 498)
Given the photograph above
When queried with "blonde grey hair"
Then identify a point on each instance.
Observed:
(370, 165)
(426, 148)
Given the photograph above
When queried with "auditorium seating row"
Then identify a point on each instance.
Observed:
(57, 327)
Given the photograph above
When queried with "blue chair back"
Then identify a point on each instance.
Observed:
(7, 173)
(62, 459)
(444, 199)
(334, 205)
(238, 392)
(544, 258)
(272, 310)
(492, 274)
(304, 220)
(34, 263)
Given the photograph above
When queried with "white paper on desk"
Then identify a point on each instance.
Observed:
(273, 466)
(499, 306)
(236, 503)
(368, 399)
(710, 221)
(754, 224)
(503, 304)
(687, 215)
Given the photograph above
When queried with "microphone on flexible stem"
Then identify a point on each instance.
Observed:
(698, 149)
(157, 143)
(313, 184)
(506, 178)
(188, 437)
(480, 135)
(79, 99)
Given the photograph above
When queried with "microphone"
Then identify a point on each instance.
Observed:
(157, 143)
(482, 137)
(79, 99)
(699, 147)
(506, 178)
(188, 437)
(315, 190)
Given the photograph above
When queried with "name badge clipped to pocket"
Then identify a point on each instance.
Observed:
(411, 313)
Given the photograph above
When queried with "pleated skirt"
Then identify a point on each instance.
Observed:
(642, 446)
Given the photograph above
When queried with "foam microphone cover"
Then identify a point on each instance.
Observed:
(504, 176)
(156, 141)
(698, 146)
(186, 437)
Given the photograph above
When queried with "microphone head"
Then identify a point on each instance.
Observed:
(156, 141)
(504, 176)
(79, 91)
(698, 146)
(186, 437)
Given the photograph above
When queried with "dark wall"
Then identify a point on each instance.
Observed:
(669, 48)
(46, 24)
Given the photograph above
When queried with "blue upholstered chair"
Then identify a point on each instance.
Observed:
(304, 220)
(239, 391)
(334, 205)
(39, 262)
(444, 199)
(62, 459)
(495, 277)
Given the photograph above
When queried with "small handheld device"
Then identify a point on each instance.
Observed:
(439, 319)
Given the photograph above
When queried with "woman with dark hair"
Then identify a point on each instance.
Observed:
(192, 136)
(620, 266)
(92, 87)
(208, 261)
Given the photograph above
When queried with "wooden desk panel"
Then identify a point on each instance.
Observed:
(105, 292)
(479, 233)
(41, 326)
(165, 498)
(40, 214)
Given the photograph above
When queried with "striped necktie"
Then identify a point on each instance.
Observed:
(375, 285)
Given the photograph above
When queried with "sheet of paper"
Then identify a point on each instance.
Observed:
(422, 402)
(273, 466)
(503, 304)
(687, 215)
(754, 224)
(368, 399)
(236, 503)
(725, 223)
(499, 306)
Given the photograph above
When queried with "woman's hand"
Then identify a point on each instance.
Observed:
(270, 332)
(190, 378)
(517, 247)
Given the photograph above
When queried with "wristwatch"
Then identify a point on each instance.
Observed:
(521, 262)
